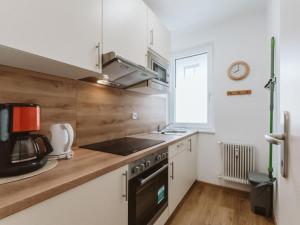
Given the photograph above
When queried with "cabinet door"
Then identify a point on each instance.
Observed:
(66, 31)
(92, 203)
(159, 37)
(125, 29)
(177, 180)
(192, 160)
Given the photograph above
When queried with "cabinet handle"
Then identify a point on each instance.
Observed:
(190, 142)
(172, 170)
(99, 55)
(152, 37)
(125, 174)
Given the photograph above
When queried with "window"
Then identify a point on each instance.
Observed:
(191, 92)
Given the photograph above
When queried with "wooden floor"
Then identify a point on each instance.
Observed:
(210, 205)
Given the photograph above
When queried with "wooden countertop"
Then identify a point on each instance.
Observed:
(85, 166)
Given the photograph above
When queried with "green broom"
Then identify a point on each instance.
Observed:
(271, 85)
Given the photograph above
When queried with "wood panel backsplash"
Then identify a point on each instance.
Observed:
(56, 96)
(97, 113)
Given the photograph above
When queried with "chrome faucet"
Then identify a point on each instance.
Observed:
(159, 129)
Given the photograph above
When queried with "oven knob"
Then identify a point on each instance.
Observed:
(164, 155)
(136, 169)
(142, 166)
(158, 158)
(148, 163)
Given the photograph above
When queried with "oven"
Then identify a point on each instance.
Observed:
(148, 189)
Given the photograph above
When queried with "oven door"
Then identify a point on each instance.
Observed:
(161, 71)
(148, 195)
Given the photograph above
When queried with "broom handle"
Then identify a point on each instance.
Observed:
(270, 169)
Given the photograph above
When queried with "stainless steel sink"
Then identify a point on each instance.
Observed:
(173, 132)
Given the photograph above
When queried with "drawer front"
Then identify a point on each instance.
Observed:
(178, 147)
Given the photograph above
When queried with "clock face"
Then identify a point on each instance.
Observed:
(238, 70)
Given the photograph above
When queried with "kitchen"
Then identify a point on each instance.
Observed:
(119, 112)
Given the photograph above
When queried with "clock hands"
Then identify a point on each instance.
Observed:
(238, 69)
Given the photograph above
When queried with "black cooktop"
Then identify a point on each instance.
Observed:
(123, 146)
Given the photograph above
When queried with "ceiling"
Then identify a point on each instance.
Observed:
(179, 15)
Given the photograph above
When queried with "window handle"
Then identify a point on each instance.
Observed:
(209, 96)
(152, 37)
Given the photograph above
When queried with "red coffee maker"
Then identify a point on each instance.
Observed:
(21, 151)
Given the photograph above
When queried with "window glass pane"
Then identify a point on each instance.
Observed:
(191, 91)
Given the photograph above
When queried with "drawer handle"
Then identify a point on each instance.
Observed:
(99, 55)
(125, 174)
(172, 170)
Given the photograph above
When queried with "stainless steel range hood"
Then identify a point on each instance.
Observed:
(121, 73)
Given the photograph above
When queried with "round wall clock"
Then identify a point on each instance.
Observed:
(238, 70)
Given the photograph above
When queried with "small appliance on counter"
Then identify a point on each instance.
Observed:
(21, 151)
(62, 137)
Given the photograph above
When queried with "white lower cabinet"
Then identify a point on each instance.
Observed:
(177, 180)
(192, 160)
(98, 202)
(182, 170)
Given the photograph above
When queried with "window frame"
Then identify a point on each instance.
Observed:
(209, 126)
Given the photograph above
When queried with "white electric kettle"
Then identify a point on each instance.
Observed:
(62, 137)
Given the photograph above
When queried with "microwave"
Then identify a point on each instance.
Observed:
(160, 66)
(158, 85)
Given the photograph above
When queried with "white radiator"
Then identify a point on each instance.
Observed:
(238, 161)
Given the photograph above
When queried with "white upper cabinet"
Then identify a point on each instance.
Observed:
(159, 37)
(65, 31)
(125, 29)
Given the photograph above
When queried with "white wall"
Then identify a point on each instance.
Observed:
(241, 119)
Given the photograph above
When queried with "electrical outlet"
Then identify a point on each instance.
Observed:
(134, 115)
